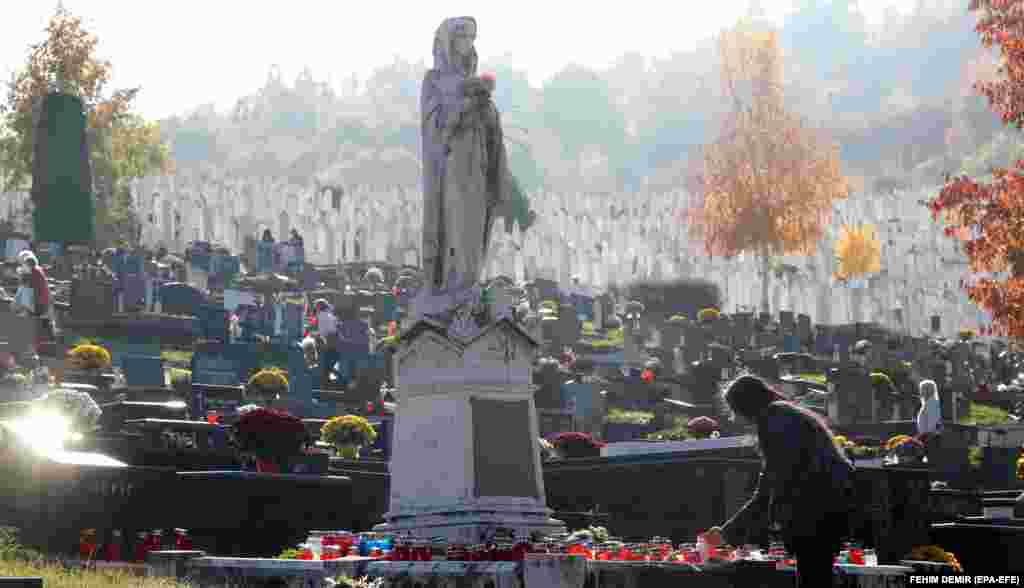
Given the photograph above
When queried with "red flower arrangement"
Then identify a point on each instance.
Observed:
(647, 376)
(702, 427)
(983, 393)
(568, 359)
(575, 445)
(269, 433)
(926, 438)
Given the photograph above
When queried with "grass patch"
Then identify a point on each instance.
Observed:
(57, 576)
(975, 456)
(816, 378)
(982, 415)
(677, 432)
(618, 416)
(18, 561)
(176, 357)
(610, 339)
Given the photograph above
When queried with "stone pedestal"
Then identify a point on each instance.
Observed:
(465, 462)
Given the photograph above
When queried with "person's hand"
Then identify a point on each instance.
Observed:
(713, 536)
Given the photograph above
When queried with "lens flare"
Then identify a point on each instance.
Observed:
(43, 432)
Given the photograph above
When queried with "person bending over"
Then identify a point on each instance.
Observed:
(805, 489)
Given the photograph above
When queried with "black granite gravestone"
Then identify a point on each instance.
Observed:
(607, 310)
(546, 289)
(569, 325)
(768, 339)
(854, 395)
(721, 331)
(671, 332)
(803, 328)
(694, 343)
(743, 334)
(744, 318)
(786, 321)
(503, 449)
(548, 380)
(92, 299)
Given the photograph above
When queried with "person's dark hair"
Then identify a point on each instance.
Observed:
(748, 396)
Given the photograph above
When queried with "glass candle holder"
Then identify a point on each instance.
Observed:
(456, 552)
(182, 542)
(520, 549)
(424, 551)
(141, 546)
(402, 550)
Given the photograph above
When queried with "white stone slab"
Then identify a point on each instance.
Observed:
(649, 447)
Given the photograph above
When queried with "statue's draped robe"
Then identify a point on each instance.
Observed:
(465, 171)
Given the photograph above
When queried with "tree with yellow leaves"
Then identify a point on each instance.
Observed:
(768, 181)
(858, 253)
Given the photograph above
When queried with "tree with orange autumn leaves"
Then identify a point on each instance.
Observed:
(121, 144)
(988, 216)
(767, 184)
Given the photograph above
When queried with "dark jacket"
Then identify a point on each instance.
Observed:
(804, 478)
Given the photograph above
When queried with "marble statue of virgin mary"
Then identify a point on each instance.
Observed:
(465, 169)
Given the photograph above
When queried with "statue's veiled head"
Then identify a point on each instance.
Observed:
(453, 46)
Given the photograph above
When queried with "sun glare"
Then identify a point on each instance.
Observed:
(43, 432)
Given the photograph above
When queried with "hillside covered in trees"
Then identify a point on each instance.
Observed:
(898, 98)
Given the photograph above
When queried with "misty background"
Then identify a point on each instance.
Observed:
(592, 101)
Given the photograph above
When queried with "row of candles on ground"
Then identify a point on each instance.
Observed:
(89, 547)
(328, 545)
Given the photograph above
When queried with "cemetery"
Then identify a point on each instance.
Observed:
(424, 395)
(635, 378)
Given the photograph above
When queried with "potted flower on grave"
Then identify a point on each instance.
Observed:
(85, 364)
(860, 448)
(181, 383)
(906, 451)
(942, 561)
(273, 437)
(647, 376)
(703, 427)
(966, 334)
(708, 315)
(576, 445)
(896, 440)
(348, 434)
(89, 357)
(267, 384)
